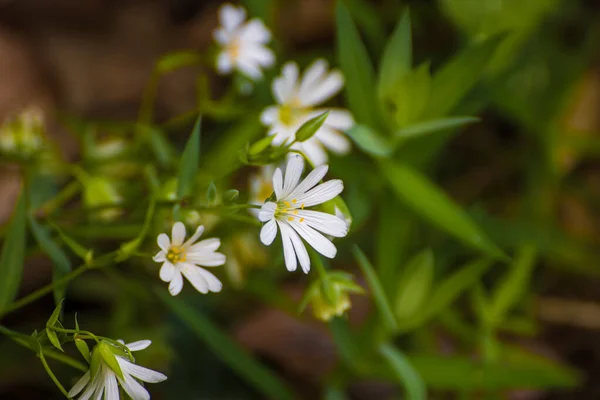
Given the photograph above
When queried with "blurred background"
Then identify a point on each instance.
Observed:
(528, 173)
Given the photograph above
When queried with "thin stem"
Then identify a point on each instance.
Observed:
(319, 265)
(60, 199)
(44, 291)
(52, 376)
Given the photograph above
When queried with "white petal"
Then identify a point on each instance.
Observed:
(139, 345)
(111, 388)
(311, 180)
(267, 211)
(293, 172)
(321, 193)
(255, 31)
(269, 115)
(313, 150)
(93, 385)
(284, 87)
(317, 241)
(231, 17)
(207, 258)
(261, 55)
(278, 183)
(161, 256)
(300, 249)
(176, 284)
(268, 232)
(314, 73)
(163, 242)
(323, 222)
(133, 388)
(339, 119)
(178, 234)
(195, 278)
(141, 373)
(203, 278)
(206, 245)
(222, 36)
(195, 236)
(328, 87)
(249, 68)
(333, 140)
(167, 271)
(288, 248)
(78, 387)
(224, 63)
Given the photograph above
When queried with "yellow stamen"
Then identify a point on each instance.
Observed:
(287, 203)
(176, 254)
(301, 219)
(290, 218)
(294, 201)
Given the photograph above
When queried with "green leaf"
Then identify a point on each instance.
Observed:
(369, 141)
(190, 161)
(179, 59)
(428, 127)
(228, 350)
(128, 248)
(53, 250)
(261, 145)
(358, 71)
(12, 256)
(55, 315)
(379, 296)
(409, 96)
(430, 202)
(448, 291)
(456, 79)
(54, 339)
(83, 348)
(415, 285)
(397, 56)
(513, 285)
(405, 373)
(310, 127)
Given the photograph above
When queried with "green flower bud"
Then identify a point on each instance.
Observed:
(310, 127)
(100, 192)
(330, 296)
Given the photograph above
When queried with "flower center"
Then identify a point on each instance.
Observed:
(289, 210)
(234, 49)
(290, 112)
(176, 254)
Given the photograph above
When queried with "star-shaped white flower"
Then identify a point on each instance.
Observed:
(289, 213)
(297, 101)
(243, 43)
(106, 382)
(181, 258)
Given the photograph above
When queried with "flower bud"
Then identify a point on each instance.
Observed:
(100, 192)
(310, 127)
(330, 295)
(23, 134)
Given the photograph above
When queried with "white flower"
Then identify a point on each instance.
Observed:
(296, 101)
(243, 43)
(106, 382)
(183, 258)
(290, 215)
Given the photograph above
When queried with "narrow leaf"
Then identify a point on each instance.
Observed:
(430, 202)
(179, 59)
(397, 56)
(228, 350)
(12, 256)
(53, 250)
(428, 127)
(379, 296)
(405, 372)
(414, 286)
(358, 71)
(190, 161)
(54, 339)
(75, 247)
(369, 141)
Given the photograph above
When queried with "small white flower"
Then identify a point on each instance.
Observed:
(243, 43)
(261, 186)
(106, 382)
(184, 258)
(290, 215)
(297, 100)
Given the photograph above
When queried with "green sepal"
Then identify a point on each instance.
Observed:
(211, 193)
(310, 127)
(83, 348)
(108, 357)
(260, 145)
(53, 337)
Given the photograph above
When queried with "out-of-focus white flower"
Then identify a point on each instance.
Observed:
(297, 99)
(106, 382)
(243, 43)
(294, 221)
(181, 258)
(261, 186)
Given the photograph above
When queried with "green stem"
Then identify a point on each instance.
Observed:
(52, 376)
(318, 263)
(61, 198)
